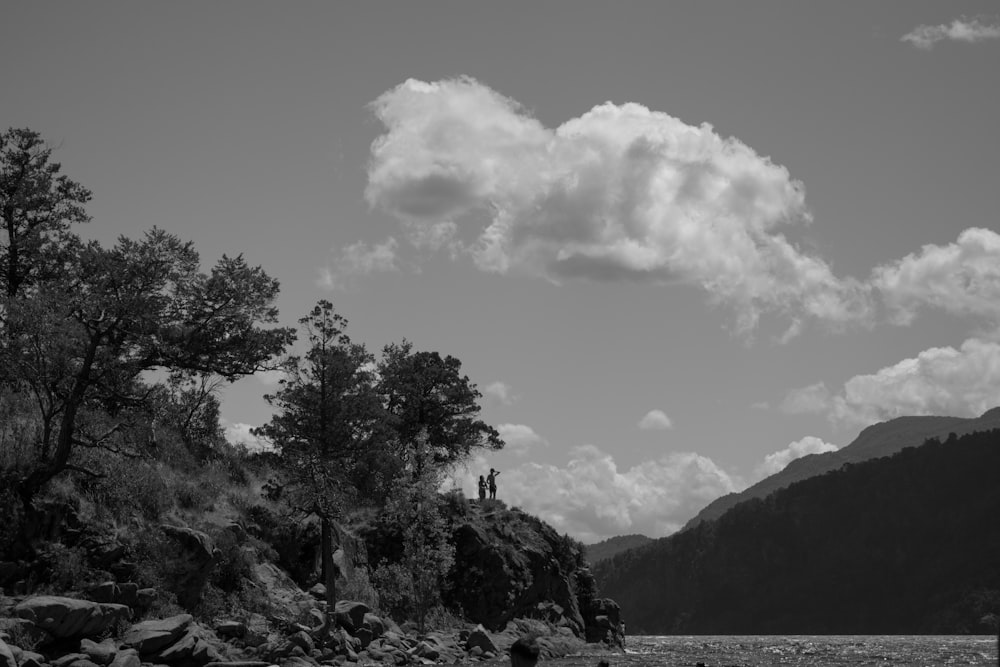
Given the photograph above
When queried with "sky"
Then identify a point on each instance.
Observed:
(675, 244)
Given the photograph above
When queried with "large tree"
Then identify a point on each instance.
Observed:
(328, 415)
(434, 409)
(80, 345)
(38, 206)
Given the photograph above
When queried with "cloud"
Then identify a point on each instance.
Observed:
(965, 30)
(500, 392)
(812, 399)
(591, 499)
(269, 378)
(962, 278)
(619, 193)
(963, 382)
(238, 434)
(359, 259)
(520, 438)
(655, 420)
(776, 462)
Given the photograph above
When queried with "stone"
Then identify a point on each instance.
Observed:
(350, 614)
(69, 618)
(303, 640)
(195, 555)
(68, 659)
(231, 629)
(479, 638)
(32, 659)
(126, 658)
(146, 597)
(318, 591)
(6, 655)
(374, 624)
(106, 591)
(151, 636)
(102, 653)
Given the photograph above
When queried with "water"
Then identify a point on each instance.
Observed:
(805, 651)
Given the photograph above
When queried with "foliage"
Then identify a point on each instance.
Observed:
(37, 207)
(327, 413)
(433, 409)
(899, 545)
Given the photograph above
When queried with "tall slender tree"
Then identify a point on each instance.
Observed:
(328, 415)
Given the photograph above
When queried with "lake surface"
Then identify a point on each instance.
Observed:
(811, 651)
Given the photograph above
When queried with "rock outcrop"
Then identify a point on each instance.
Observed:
(70, 618)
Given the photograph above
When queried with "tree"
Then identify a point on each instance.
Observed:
(80, 345)
(37, 208)
(428, 554)
(433, 408)
(327, 414)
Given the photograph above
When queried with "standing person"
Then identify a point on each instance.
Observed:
(492, 479)
(482, 488)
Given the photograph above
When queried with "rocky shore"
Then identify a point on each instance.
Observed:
(56, 631)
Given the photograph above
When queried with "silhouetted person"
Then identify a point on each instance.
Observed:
(492, 480)
(482, 488)
(524, 653)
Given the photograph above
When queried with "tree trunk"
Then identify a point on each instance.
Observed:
(329, 572)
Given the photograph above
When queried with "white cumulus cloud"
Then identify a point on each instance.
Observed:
(500, 392)
(962, 29)
(655, 420)
(359, 259)
(239, 434)
(961, 278)
(591, 499)
(963, 382)
(619, 193)
(776, 462)
(520, 438)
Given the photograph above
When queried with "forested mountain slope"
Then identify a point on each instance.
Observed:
(906, 544)
(884, 439)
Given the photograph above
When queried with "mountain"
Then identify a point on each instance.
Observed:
(908, 544)
(614, 545)
(884, 439)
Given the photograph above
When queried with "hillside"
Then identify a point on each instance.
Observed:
(613, 546)
(884, 439)
(902, 545)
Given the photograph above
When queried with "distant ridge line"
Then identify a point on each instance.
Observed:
(882, 439)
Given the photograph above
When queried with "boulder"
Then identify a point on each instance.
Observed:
(69, 618)
(102, 653)
(6, 655)
(231, 629)
(350, 615)
(31, 659)
(68, 659)
(375, 624)
(193, 558)
(151, 636)
(22, 627)
(480, 639)
(126, 658)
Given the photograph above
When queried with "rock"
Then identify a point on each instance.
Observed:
(350, 614)
(6, 655)
(107, 591)
(283, 594)
(151, 636)
(239, 663)
(68, 659)
(22, 627)
(84, 663)
(126, 658)
(231, 629)
(479, 638)
(303, 640)
(102, 653)
(31, 659)
(69, 618)
(145, 597)
(194, 556)
(318, 591)
(374, 624)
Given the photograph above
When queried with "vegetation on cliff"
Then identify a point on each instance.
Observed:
(902, 545)
(117, 484)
